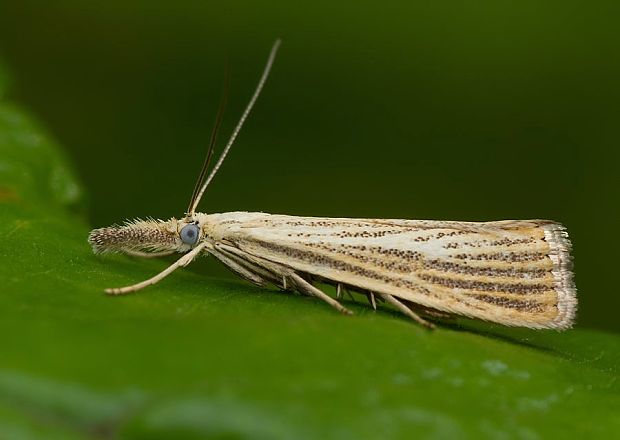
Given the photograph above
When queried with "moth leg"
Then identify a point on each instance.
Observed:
(273, 272)
(243, 272)
(306, 287)
(371, 299)
(181, 262)
(340, 288)
(348, 292)
(278, 274)
(406, 310)
(148, 254)
(431, 312)
(251, 266)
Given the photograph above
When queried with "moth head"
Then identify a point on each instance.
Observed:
(147, 236)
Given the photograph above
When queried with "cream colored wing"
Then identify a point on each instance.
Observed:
(515, 273)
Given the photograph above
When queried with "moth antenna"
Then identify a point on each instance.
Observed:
(233, 136)
(212, 141)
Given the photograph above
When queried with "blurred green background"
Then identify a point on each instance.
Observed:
(424, 110)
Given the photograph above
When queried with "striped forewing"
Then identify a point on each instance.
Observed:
(510, 272)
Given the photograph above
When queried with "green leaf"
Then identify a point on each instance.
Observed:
(196, 357)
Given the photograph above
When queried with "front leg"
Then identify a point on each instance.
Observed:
(181, 262)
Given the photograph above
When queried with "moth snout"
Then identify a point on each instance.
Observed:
(141, 235)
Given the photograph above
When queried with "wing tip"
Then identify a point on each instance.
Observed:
(560, 253)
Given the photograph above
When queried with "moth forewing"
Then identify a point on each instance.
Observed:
(515, 273)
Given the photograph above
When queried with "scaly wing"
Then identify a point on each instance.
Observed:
(511, 272)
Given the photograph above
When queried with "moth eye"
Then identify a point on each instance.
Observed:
(190, 234)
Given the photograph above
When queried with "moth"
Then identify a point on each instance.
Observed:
(513, 272)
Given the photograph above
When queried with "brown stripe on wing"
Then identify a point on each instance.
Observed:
(527, 305)
(506, 242)
(486, 286)
(322, 260)
(511, 257)
(407, 262)
(396, 264)
(527, 272)
(374, 231)
(402, 261)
